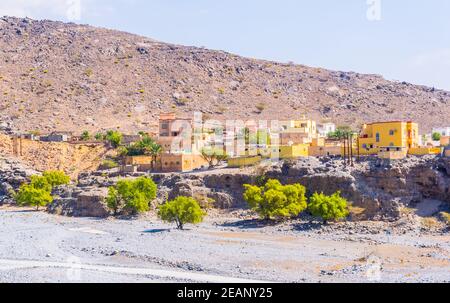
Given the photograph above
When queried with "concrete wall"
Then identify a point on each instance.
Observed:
(243, 161)
(421, 151)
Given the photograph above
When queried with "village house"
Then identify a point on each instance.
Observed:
(324, 129)
(298, 132)
(388, 134)
(57, 137)
(443, 131)
(175, 134)
(179, 155)
(164, 163)
(445, 141)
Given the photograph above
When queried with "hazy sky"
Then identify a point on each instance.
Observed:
(400, 39)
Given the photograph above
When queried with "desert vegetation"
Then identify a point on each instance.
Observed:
(276, 201)
(38, 193)
(181, 211)
(131, 196)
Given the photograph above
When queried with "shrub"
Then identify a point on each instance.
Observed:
(99, 136)
(89, 72)
(38, 192)
(213, 156)
(114, 138)
(122, 151)
(108, 164)
(437, 136)
(182, 210)
(275, 200)
(85, 136)
(328, 208)
(131, 196)
(445, 216)
(261, 107)
(56, 178)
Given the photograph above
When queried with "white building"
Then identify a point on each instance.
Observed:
(324, 129)
(444, 131)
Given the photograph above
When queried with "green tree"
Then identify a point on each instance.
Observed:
(122, 151)
(113, 200)
(437, 136)
(39, 191)
(85, 136)
(146, 146)
(114, 138)
(213, 156)
(181, 210)
(341, 133)
(154, 150)
(274, 200)
(40, 182)
(131, 196)
(56, 178)
(328, 208)
(28, 195)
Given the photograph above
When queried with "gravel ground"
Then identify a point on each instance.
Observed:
(225, 246)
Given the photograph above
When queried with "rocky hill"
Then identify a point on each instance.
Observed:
(41, 156)
(57, 76)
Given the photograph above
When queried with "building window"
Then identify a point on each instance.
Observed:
(378, 137)
(391, 132)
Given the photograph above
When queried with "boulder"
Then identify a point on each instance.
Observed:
(88, 202)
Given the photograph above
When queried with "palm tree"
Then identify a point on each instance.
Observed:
(153, 149)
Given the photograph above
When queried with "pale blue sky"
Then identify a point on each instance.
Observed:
(411, 42)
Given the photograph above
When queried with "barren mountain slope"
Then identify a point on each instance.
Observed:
(56, 76)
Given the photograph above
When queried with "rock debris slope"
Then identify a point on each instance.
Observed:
(57, 76)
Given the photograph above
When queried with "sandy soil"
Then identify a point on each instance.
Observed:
(38, 247)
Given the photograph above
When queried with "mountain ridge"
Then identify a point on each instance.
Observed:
(65, 76)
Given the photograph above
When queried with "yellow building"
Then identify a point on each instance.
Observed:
(284, 151)
(388, 134)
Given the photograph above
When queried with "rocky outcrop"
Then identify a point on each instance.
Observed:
(380, 187)
(12, 174)
(80, 202)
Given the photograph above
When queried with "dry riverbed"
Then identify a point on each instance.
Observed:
(227, 247)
